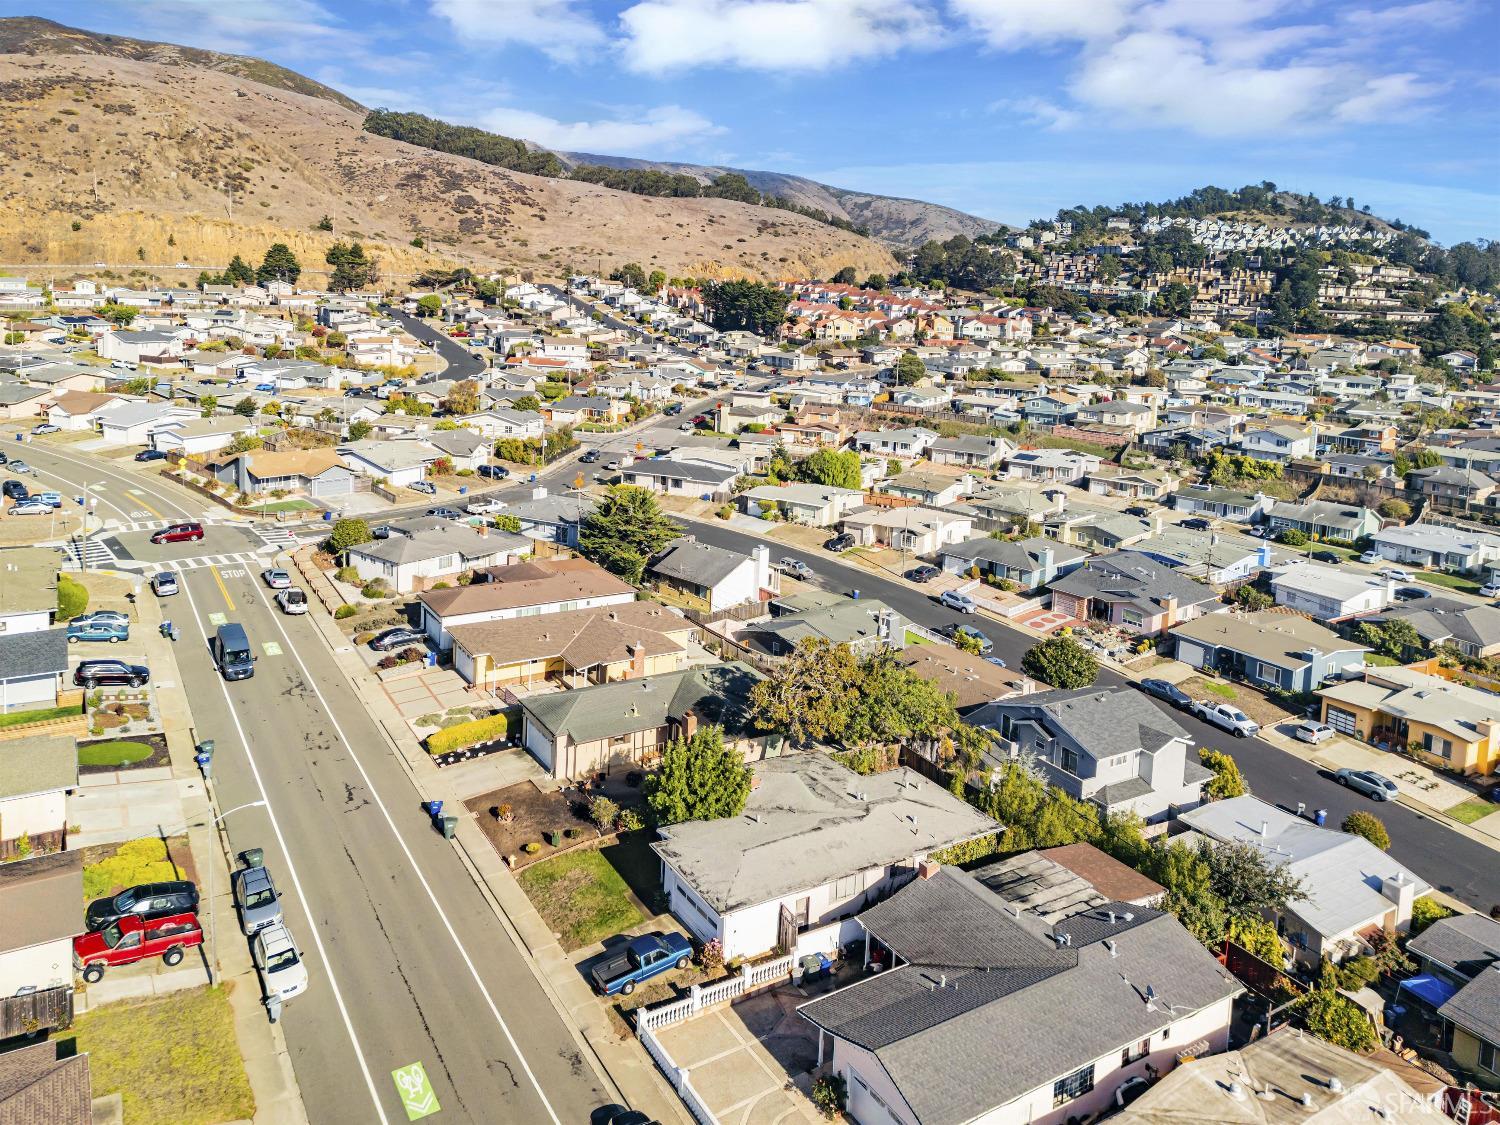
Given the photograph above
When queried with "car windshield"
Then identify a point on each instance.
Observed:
(260, 898)
(125, 900)
(282, 960)
(1235, 714)
(112, 934)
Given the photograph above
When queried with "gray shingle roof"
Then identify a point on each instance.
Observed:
(1134, 579)
(1476, 1006)
(1104, 721)
(33, 654)
(41, 764)
(1468, 943)
(717, 693)
(703, 563)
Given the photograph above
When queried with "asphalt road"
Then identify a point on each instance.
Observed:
(125, 491)
(462, 363)
(406, 958)
(1452, 862)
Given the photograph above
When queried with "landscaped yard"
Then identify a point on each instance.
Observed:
(1475, 808)
(271, 507)
(1449, 581)
(916, 638)
(582, 896)
(110, 868)
(118, 752)
(1381, 661)
(18, 718)
(173, 1059)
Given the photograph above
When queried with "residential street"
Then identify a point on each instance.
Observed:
(462, 363)
(1452, 862)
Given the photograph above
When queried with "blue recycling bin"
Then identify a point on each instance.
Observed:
(434, 809)
(854, 594)
(463, 490)
(327, 517)
(1320, 817)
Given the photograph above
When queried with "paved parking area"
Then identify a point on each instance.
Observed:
(1045, 620)
(751, 1061)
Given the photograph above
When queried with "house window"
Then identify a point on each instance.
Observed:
(1075, 1085)
(848, 886)
(1136, 1053)
(1487, 1057)
(1442, 747)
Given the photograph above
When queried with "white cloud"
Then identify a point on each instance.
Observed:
(293, 27)
(774, 35)
(1010, 24)
(560, 29)
(1385, 97)
(657, 130)
(1037, 111)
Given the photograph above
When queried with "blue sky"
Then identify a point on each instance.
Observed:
(1005, 108)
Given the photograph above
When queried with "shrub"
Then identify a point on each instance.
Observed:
(375, 588)
(710, 957)
(830, 1094)
(1369, 826)
(531, 847)
(603, 812)
(347, 574)
(1227, 781)
(1291, 537)
(143, 860)
(970, 851)
(1426, 911)
(345, 611)
(72, 597)
(462, 735)
(629, 821)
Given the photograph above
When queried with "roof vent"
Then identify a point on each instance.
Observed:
(1336, 1084)
(1236, 1091)
(1109, 945)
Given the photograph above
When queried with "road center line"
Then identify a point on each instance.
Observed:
(223, 589)
(436, 906)
(291, 867)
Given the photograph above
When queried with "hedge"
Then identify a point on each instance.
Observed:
(463, 735)
(72, 597)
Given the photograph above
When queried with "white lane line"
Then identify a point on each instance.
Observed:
(132, 482)
(436, 906)
(291, 869)
(70, 486)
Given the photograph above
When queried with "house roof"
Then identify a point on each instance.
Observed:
(28, 579)
(1417, 696)
(1456, 477)
(533, 583)
(841, 622)
(41, 764)
(391, 454)
(1437, 537)
(39, 1084)
(448, 539)
(1207, 494)
(1133, 579)
(1325, 513)
(1107, 875)
(1041, 886)
(1466, 943)
(691, 561)
(41, 900)
(1326, 581)
(800, 493)
(581, 637)
(457, 443)
(1341, 873)
(1440, 619)
(1476, 1006)
(970, 679)
(983, 985)
(716, 693)
(810, 821)
(682, 470)
(39, 653)
(265, 463)
(82, 402)
(1022, 555)
(1286, 640)
(14, 393)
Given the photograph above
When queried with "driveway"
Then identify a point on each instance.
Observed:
(752, 1061)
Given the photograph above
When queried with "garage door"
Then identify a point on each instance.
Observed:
(1194, 656)
(1340, 720)
(865, 1106)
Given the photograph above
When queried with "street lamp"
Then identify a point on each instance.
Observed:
(213, 918)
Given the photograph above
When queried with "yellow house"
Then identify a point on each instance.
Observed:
(1445, 724)
(571, 649)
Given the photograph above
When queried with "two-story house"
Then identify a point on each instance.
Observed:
(33, 654)
(707, 579)
(1134, 592)
(1051, 466)
(1277, 443)
(523, 590)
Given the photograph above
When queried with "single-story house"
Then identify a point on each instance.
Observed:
(32, 665)
(935, 489)
(465, 448)
(1056, 883)
(1272, 649)
(79, 410)
(17, 400)
(1438, 546)
(815, 845)
(906, 444)
(1329, 593)
(41, 1080)
(1221, 503)
(972, 680)
(1320, 519)
(538, 587)
(41, 912)
(1029, 563)
(1451, 485)
(814, 505)
(28, 593)
(708, 579)
(1351, 890)
(1051, 466)
(1472, 629)
(199, 436)
(1132, 591)
(1452, 726)
(866, 625)
(134, 422)
(972, 451)
(552, 518)
(915, 529)
(681, 478)
(441, 553)
(625, 725)
(399, 463)
(36, 776)
(318, 473)
(1131, 484)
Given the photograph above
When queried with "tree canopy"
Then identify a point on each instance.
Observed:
(279, 264)
(749, 306)
(838, 469)
(625, 530)
(699, 779)
(1061, 662)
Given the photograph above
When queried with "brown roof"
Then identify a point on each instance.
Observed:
(81, 402)
(37, 1085)
(533, 583)
(41, 900)
(292, 462)
(582, 637)
(970, 679)
(1104, 873)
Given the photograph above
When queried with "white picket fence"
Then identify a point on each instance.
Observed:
(679, 1079)
(749, 978)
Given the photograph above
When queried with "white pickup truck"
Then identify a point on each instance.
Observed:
(1225, 716)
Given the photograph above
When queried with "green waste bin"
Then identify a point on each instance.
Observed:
(449, 825)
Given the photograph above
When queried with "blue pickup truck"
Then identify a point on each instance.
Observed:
(639, 960)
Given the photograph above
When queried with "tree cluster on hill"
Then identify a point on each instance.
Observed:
(639, 181)
(1204, 202)
(962, 263)
(352, 268)
(462, 140)
(749, 306)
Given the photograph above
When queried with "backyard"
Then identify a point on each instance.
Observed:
(173, 1059)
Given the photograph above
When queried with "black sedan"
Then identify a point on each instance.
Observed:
(1167, 693)
(1197, 523)
(1411, 594)
(925, 573)
(589, 458)
(151, 455)
(146, 901)
(398, 637)
(1327, 557)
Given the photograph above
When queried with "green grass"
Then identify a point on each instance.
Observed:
(1380, 661)
(117, 753)
(293, 505)
(916, 638)
(19, 718)
(1467, 812)
(1223, 691)
(581, 896)
(1450, 581)
(173, 1059)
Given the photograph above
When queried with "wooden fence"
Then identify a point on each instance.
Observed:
(34, 1012)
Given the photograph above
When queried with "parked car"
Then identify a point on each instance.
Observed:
(795, 568)
(955, 632)
(133, 939)
(924, 573)
(494, 472)
(380, 531)
(93, 673)
(110, 632)
(398, 637)
(145, 901)
(1369, 558)
(1196, 523)
(151, 455)
(14, 490)
(1167, 693)
(266, 388)
(102, 617)
(589, 457)
(487, 506)
(164, 584)
(278, 962)
(839, 543)
(44, 428)
(1226, 716)
(292, 600)
(1313, 732)
(1411, 594)
(1327, 557)
(952, 599)
(425, 486)
(256, 898)
(4, 457)
(1375, 786)
(191, 532)
(1396, 574)
(1140, 511)
(31, 507)
(1490, 590)
(639, 960)
(51, 499)
(20, 467)
(445, 513)
(276, 578)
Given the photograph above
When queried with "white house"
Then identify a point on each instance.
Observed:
(134, 422)
(42, 901)
(38, 774)
(681, 478)
(714, 578)
(521, 590)
(434, 550)
(401, 463)
(132, 347)
(1054, 466)
(1277, 443)
(192, 436)
(815, 845)
(906, 444)
(815, 505)
(1328, 593)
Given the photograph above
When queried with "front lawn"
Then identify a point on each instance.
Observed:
(581, 896)
(1450, 581)
(120, 752)
(173, 1059)
(916, 638)
(1223, 691)
(271, 507)
(1475, 808)
(41, 715)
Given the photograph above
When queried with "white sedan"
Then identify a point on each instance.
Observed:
(276, 579)
(1396, 574)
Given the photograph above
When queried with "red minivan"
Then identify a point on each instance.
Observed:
(179, 533)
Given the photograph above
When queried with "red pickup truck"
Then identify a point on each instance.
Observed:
(128, 940)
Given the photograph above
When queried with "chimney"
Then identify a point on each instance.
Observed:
(637, 653)
(689, 724)
(928, 868)
(1170, 607)
(1402, 892)
(1157, 520)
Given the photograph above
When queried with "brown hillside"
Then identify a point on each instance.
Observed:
(160, 162)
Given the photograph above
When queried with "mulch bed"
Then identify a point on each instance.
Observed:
(157, 757)
(532, 813)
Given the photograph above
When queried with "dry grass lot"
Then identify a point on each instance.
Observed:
(1248, 700)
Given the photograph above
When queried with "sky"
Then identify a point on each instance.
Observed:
(1008, 109)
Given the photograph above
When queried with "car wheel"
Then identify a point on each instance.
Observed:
(173, 956)
(1239, 734)
(135, 681)
(1344, 781)
(683, 962)
(628, 987)
(72, 640)
(92, 684)
(93, 972)
(114, 640)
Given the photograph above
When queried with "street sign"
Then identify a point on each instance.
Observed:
(416, 1093)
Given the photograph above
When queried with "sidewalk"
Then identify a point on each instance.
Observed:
(623, 1066)
(278, 1098)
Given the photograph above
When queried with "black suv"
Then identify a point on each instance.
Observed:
(494, 472)
(93, 672)
(146, 901)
